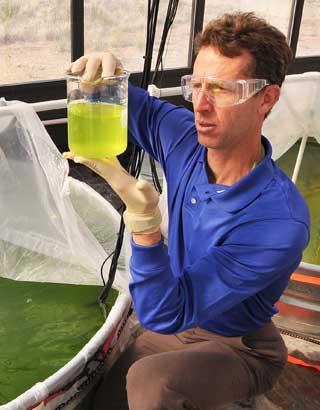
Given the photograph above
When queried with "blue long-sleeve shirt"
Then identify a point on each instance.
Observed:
(231, 249)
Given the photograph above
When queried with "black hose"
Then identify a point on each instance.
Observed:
(171, 13)
(137, 156)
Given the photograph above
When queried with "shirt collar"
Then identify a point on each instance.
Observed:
(242, 193)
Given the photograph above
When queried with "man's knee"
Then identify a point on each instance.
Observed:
(149, 387)
(143, 385)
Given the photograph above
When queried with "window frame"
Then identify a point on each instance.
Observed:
(56, 88)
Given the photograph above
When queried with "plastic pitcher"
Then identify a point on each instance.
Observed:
(97, 116)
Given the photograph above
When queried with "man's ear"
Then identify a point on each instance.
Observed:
(270, 96)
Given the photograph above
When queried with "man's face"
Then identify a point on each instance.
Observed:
(223, 127)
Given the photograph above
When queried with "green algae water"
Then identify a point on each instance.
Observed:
(97, 130)
(43, 326)
(308, 183)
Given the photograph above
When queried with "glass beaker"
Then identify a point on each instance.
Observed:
(98, 116)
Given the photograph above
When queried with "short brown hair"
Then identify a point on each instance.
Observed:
(233, 33)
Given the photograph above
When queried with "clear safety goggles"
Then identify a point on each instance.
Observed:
(220, 92)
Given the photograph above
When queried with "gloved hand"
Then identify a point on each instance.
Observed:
(96, 65)
(140, 197)
(93, 68)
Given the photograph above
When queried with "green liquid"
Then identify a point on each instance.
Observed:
(308, 183)
(43, 326)
(97, 130)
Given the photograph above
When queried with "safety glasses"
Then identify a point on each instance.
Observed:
(221, 93)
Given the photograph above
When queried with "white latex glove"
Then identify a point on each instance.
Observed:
(96, 65)
(140, 197)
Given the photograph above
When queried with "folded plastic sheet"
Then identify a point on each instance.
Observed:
(296, 114)
(44, 233)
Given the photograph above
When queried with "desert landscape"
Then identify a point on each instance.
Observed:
(35, 34)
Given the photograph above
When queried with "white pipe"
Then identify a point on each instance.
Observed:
(61, 104)
(38, 107)
(49, 105)
(299, 158)
(55, 122)
(154, 91)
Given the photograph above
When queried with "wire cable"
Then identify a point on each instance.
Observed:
(137, 156)
(171, 13)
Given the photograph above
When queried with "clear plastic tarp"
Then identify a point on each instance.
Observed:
(39, 215)
(43, 236)
(296, 114)
(53, 228)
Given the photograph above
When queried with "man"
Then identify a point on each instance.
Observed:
(237, 228)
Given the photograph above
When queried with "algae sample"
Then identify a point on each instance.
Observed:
(43, 326)
(308, 184)
(97, 130)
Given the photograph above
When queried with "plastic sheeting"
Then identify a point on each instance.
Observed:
(43, 236)
(38, 215)
(296, 114)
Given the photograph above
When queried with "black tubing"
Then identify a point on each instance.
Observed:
(135, 163)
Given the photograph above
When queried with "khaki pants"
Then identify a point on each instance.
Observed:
(193, 370)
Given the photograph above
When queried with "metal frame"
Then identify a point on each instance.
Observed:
(197, 17)
(303, 64)
(300, 64)
(56, 89)
(294, 26)
(77, 28)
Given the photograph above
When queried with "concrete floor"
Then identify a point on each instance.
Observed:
(297, 389)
